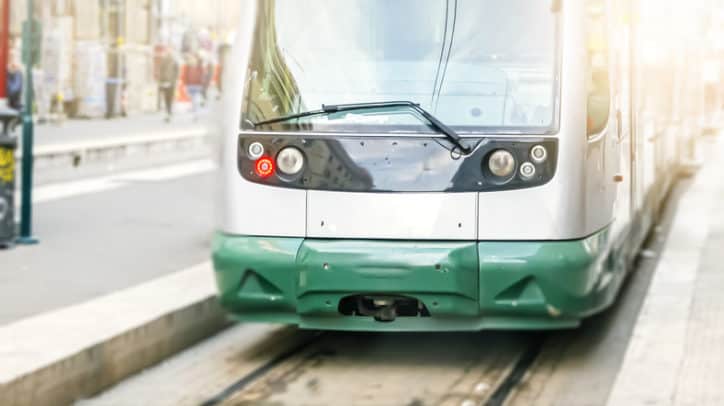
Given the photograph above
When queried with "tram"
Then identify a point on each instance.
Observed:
(446, 165)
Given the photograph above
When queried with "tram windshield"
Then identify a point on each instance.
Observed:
(477, 65)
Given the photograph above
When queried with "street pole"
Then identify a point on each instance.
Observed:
(26, 196)
(4, 48)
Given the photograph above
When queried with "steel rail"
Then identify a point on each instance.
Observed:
(260, 372)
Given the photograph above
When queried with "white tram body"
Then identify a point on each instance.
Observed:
(608, 88)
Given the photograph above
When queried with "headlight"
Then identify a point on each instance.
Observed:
(290, 161)
(256, 150)
(539, 154)
(527, 171)
(501, 163)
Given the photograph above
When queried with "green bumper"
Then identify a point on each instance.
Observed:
(464, 285)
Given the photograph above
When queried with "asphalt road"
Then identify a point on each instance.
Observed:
(97, 242)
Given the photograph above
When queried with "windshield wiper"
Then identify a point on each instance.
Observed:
(449, 133)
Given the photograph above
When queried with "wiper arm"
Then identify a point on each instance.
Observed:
(449, 133)
(434, 122)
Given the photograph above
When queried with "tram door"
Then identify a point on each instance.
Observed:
(641, 159)
(654, 85)
(620, 38)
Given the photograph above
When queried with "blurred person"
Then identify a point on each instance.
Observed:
(206, 38)
(42, 84)
(189, 42)
(15, 86)
(167, 79)
(122, 88)
(223, 51)
(158, 53)
(194, 82)
(208, 79)
(124, 96)
(116, 86)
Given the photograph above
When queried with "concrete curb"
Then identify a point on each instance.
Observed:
(75, 154)
(64, 356)
(118, 142)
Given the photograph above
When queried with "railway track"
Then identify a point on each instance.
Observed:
(373, 369)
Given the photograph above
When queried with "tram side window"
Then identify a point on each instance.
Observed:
(598, 80)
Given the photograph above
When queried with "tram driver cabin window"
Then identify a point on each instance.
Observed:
(598, 82)
(480, 66)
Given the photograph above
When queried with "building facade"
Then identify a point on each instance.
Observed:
(98, 56)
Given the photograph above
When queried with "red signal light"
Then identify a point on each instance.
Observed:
(264, 167)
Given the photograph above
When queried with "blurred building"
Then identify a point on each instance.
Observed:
(98, 56)
(220, 15)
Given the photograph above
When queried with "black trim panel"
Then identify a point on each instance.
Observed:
(396, 164)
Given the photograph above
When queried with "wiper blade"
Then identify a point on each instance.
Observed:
(289, 117)
(438, 125)
(434, 122)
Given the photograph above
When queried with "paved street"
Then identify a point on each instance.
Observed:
(110, 223)
(99, 242)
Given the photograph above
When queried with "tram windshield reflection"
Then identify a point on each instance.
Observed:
(477, 65)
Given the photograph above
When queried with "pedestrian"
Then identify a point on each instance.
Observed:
(167, 79)
(208, 78)
(124, 95)
(15, 86)
(194, 82)
(224, 51)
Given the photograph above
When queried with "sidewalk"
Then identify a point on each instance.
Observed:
(676, 353)
(81, 148)
(82, 131)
